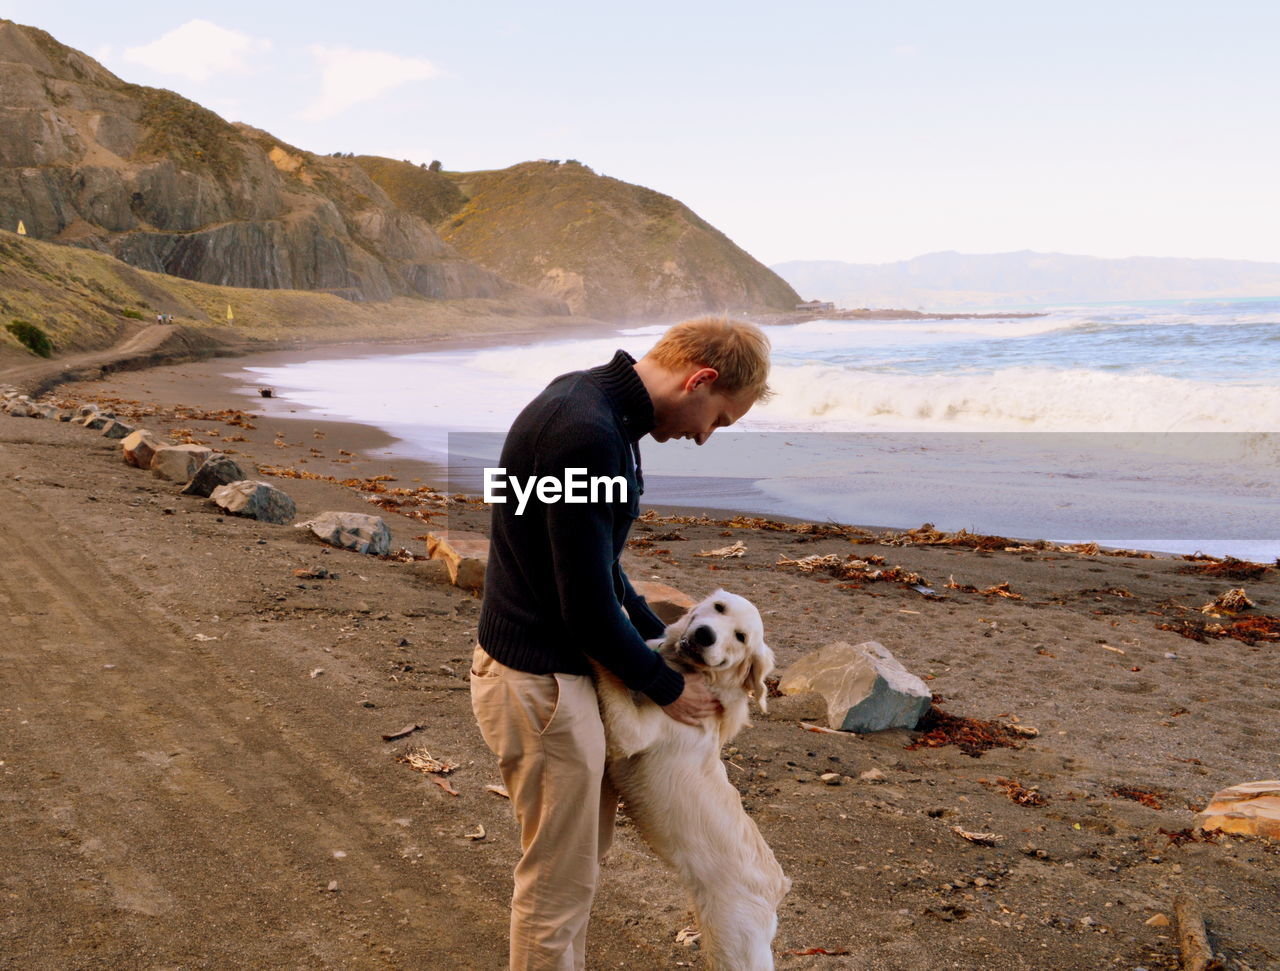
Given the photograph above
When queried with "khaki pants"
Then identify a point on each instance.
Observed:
(546, 731)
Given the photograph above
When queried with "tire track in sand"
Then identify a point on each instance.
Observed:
(151, 786)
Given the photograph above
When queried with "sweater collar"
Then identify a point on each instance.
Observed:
(627, 393)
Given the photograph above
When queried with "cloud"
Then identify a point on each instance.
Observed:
(350, 77)
(198, 50)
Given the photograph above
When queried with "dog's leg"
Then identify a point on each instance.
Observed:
(629, 726)
(737, 935)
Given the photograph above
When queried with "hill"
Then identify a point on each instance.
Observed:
(163, 184)
(83, 300)
(955, 280)
(166, 185)
(607, 248)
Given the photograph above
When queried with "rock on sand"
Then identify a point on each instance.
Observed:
(352, 531)
(256, 500)
(865, 687)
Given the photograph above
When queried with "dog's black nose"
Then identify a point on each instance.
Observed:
(703, 636)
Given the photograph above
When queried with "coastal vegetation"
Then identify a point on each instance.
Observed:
(608, 248)
(85, 300)
(31, 337)
(191, 136)
(427, 193)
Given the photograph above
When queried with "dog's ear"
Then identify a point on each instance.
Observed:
(762, 662)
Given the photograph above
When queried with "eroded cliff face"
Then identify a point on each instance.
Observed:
(165, 185)
(607, 248)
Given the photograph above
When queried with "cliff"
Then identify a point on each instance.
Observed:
(159, 182)
(605, 247)
(166, 185)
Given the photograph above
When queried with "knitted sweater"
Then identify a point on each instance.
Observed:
(554, 590)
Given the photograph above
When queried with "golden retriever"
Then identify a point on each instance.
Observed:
(677, 792)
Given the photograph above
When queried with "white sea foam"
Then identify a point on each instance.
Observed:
(817, 397)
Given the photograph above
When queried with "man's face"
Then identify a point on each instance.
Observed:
(698, 411)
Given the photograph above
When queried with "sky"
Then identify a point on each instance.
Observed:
(864, 131)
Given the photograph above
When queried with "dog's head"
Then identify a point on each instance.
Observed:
(723, 637)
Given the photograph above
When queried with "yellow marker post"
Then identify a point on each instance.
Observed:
(22, 228)
(230, 315)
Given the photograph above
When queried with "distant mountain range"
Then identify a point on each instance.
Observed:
(951, 281)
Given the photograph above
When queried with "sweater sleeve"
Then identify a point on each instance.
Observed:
(648, 623)
(581, 541)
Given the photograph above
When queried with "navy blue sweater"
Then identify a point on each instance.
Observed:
(554, 591)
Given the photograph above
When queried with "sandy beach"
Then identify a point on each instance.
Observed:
(195, 773)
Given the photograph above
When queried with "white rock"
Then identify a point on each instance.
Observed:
(865, 687)
(178, 463)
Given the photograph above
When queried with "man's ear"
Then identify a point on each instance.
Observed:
(704, 375)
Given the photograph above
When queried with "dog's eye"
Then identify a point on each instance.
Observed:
(740, 636)
(719, 608)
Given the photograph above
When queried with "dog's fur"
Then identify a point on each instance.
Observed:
(676, 790)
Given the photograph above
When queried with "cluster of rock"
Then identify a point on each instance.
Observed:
(200, 471)
(19, 405)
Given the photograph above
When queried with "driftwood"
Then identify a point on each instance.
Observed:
(1192, 940)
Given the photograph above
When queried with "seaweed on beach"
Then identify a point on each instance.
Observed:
(1151, 798)
(928, 535)
(1017, 792)
(406, 502)
(1250, 630)
(133, 409)
(972, 736)
(812, 530)
(1180, 837)
(869, 570)
(1224, 569)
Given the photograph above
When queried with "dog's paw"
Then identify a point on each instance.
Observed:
(689, 937)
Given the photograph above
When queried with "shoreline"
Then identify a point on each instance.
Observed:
(208, 384)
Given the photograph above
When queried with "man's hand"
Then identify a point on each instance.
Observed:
(695, 702)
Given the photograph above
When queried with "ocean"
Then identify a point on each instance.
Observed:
(1153, 424)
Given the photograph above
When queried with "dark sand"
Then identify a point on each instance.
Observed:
(192, 752)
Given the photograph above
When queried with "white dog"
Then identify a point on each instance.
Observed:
(677, 791)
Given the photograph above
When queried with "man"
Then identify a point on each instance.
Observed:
(555, 596)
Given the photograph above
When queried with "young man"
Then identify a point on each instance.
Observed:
(555, 596)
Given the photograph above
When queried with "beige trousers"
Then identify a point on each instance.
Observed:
(546, 731)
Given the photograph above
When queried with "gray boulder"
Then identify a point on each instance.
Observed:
(256, 500)
(352, 531)
(865, 687)
(178, 463)
(117, 429)
(21, 408)
(217, 470)
(96, 421)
